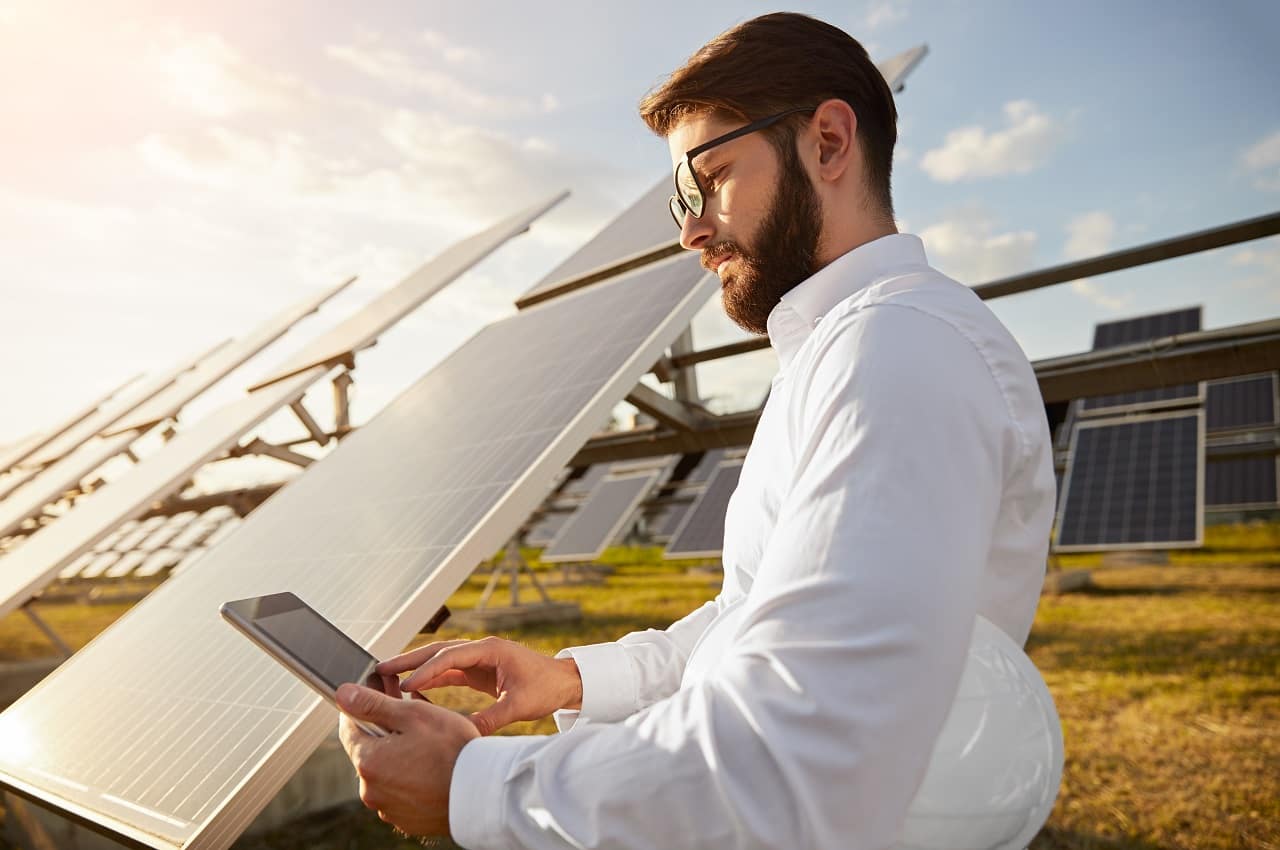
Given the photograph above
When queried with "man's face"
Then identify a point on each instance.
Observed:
(762, 220)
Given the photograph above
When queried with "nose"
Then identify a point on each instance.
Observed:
(696, 233)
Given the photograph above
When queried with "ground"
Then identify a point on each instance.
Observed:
(1167, 679)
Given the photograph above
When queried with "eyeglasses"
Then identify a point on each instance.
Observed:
(690, 197)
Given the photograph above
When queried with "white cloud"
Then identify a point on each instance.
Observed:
(450, 51)
(883, 14)
(968, 248)
(1089, 235)
(1262, 161)
(971, 152)
(372, 56)
(203, 73)
(1261, 262)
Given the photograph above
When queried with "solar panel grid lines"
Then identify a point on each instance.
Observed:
(1249, 401)
(27, 569)
(1142, 329)
(1135, 482)
(601, 518)
(375, 536)
(668, 520)
(701, 535)
(1242, 483)
(107, 416)
(363, 328)
(217, 366)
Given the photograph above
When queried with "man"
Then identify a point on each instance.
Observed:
(899, 484)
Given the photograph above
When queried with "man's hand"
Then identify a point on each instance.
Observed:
(527, 684)
(405, 776)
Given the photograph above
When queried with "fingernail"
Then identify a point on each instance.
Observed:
(346, 694)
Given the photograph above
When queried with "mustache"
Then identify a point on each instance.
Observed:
(717, 254)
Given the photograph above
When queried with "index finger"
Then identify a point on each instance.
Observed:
(471, 653)
(415, 658)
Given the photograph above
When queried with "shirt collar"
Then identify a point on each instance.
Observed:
(801, 309)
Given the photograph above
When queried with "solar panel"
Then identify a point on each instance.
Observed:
(27, 569)
(1237, 403)
(362, 329)
(668, 520)
(1241, 482)
(13, 480)
(1143, 329)
(108, 415)
(702, 533)
(193, 729)
(217, 366)
(601, 518)
(129, 561)
(895, 69)
(1134, 483)
(31, 498)
(140, 532)
(640, 229)
(15, 454)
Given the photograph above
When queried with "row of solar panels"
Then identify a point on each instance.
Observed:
(1142, 468)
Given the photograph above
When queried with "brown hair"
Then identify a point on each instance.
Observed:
(776, 62)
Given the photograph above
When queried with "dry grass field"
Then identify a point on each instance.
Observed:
(1167, 679)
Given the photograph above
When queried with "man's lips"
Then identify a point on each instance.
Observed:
(716, 264)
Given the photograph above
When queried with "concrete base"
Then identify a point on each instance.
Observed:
(325, 780)
(501, 619)
(1136, 558)
(1065, 581)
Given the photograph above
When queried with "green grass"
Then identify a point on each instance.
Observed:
(1167, 679)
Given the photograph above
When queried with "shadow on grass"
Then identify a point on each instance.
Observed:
(1055, 838)
(1199, 651)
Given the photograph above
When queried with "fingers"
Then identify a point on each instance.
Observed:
(447, 679)
(367, 704)
(493, 718)
(458, 657)
(415, 658)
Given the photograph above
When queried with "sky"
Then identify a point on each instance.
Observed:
(174, 173)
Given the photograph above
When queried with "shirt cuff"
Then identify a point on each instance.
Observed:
(476, 790)
(608, 685)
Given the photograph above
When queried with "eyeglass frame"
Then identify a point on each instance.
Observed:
(676, 200)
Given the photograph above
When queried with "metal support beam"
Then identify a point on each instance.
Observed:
(673, 414)
(46, 630)
(684, 381)
(342, 403)
(721, 432)
(257, 446)
(317, 433)
(600, 274)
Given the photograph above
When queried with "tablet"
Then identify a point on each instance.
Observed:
(309, 646)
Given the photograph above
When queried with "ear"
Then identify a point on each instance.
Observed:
(835, 126)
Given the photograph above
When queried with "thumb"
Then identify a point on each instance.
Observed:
(367, 704)
(496, 716)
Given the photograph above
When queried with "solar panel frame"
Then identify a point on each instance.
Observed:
(580, 538)
(1241, 403)
(632, 321)
(361, 329)
(1073, 479)
(217, 366)
(28, 568)
(668, 521)
(708, 507)
(17, 453)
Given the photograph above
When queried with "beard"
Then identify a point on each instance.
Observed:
(784, 251)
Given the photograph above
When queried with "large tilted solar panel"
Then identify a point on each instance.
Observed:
(601, 518)
(192, 729)
(1134, 483)
(217, 366)
(1241, 482)
(702, 534)
(107, 416)
(1237, 403)
(1142, 329)
(364, 327)
(31, 566)
(896, 68)
(643, 227)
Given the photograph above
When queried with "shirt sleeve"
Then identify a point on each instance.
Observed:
(814, 728)
(621, 677)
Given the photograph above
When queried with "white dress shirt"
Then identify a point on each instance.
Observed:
(899, 483)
